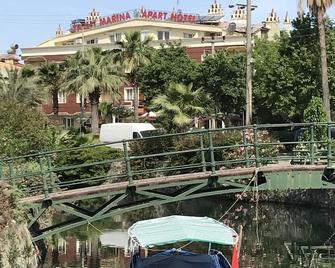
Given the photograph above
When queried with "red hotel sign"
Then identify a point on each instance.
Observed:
(142, 14)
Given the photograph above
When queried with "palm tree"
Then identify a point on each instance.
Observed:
(134, 54)
(91, 73)
(179, 105)
(51, 77)
(15, 86)
(318, 8)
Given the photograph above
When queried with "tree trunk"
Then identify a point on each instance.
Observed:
(136, 103)
(55, 104)
(94, 99)
(95, 118)
(324, 67)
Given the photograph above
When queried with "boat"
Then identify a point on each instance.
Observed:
(153, 233)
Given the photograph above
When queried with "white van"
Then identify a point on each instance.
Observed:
(125, 131)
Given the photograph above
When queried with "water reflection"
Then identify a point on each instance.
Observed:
(281, 236)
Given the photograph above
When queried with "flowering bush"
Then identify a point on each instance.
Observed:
(229, 150)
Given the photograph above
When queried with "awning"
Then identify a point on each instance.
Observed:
(173, 229)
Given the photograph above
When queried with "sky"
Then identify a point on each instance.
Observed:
(30, 22)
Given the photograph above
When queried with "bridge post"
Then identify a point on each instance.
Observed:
(245, 145)
(127, 160)
(51, 177)
(44, 178)
(1, 170)
(312, 149)
(211, 150)
(203, 159)
(329, 146)
(11, 172)
(256, 146)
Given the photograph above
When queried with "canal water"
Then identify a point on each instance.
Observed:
(273, 235)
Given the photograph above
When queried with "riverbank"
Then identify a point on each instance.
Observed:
(311, 198)
(17, 249)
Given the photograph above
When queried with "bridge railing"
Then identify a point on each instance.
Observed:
(171, 154)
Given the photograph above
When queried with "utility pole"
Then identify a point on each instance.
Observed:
(248, 116)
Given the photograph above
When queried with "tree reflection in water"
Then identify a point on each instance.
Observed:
(263, 238)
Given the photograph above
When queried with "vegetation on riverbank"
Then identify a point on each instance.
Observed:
(17, 249)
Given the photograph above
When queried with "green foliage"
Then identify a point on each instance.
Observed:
(134, 54)
(107, 110)
(229, 151)
(91, 73)
(23, 130)
(223, 77)
(288, 72)
(18, 86)
(148, 147)
(315, 113)
(51, 78)
(170, 64)
(232, 151)
(83, 156)
(179, 105)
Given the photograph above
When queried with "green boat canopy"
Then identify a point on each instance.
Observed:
(173, 229)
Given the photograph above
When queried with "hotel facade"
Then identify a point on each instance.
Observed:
(201, 35)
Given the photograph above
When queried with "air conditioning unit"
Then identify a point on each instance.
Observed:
(128, 103)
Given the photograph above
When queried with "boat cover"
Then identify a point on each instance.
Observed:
(181, 259)
(173, 229)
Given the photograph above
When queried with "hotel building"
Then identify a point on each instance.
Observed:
(201, 35)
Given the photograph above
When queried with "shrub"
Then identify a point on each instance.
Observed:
(23, 130)
(149, 147)
(82, 175)
(229, 151)
(315, 113)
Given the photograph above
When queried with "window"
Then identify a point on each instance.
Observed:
(61, 97)
(144, 34)
(188, 35)
(61, 245)
(136, 135)
(92, 41)
(163, 35)
(115, 37)
(68, 122)
(128, 94)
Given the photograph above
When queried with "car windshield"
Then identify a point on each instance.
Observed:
(149, 133)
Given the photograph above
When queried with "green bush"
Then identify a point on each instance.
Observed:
(149, 147)
(229, 151)
(78, 156)
(23, 130)
(315, 113)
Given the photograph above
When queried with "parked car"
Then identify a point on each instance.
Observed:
(114, 132)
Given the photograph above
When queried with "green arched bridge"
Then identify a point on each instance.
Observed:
(169, 168)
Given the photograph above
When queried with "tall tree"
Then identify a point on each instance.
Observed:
(223, 77)
(51, 77)
(179, 105)
(17, 87)
(135, 53)
(318, 8)
(90, 73)
(170, 64)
